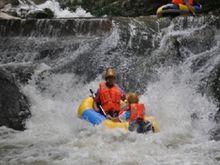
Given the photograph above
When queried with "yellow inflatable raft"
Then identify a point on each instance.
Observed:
(87, 112)
(172, 10)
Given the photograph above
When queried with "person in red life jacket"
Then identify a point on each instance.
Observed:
(109, 95)
(136, 117)
(188, 3)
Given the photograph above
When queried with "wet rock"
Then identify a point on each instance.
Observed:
(1, 4)
(37, 2)
(21, 72)
(49, 13)
(14, 106)
(5, 2)
(211, 86)
(215, 134)
(217, 116)
(7, 16)
(40, 14)
(214, 84)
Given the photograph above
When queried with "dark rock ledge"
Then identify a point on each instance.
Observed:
(14, 106)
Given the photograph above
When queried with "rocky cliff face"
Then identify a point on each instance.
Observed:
(14, 106)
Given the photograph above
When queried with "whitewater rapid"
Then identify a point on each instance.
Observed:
(63, 13)
(55, 135)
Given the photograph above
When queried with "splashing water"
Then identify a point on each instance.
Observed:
(55, 135)
(63, 13)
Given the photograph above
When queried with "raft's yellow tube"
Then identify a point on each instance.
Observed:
(182, 10)
(184, 7)
(112, 124)
(87, 103)
(159, 10)
(125, 125)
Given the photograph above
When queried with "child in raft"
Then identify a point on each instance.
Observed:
(134, 112)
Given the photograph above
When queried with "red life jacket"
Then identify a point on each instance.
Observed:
(137, 111)
(177, 2)
(110, 97)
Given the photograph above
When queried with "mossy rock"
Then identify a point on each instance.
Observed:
(41, 14)
(49, 13)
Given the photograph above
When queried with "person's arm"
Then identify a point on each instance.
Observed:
(96, 101)
(96, 107)
(190, 7)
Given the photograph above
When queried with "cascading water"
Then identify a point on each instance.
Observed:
(165, 60)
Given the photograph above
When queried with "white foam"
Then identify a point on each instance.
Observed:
(63, 13)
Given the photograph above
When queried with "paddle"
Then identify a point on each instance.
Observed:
(190, 8)
(100, 107)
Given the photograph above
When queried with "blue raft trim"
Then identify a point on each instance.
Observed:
(93, 117)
